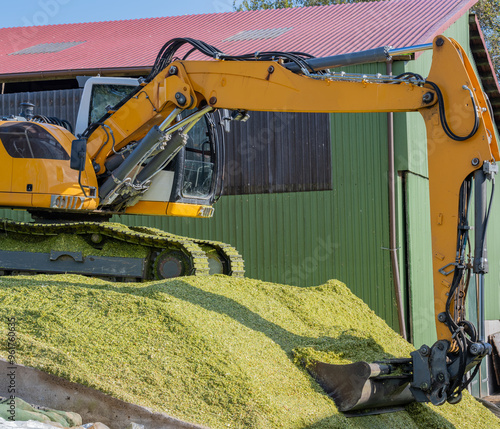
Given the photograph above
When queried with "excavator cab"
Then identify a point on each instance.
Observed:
(183, 180)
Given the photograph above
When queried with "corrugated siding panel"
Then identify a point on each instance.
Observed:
(19, 215)
(283, 238)
(402, 248)
(419, 257)
(361, 209)
(62, 104)
(278, 152)
(492, 279)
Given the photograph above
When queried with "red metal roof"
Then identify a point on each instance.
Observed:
(318, 30)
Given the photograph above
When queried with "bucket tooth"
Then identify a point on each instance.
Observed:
(360, 385)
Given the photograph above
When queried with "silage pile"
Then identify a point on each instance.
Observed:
(216, 351)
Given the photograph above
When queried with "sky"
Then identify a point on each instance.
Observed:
(46, 12)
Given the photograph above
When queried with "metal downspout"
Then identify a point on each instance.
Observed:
(392, 217)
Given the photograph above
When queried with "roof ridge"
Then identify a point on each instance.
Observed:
(266, 11)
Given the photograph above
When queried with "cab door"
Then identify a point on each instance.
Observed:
(33, 155)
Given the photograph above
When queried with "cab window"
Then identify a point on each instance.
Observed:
(104, 96)
(199, 162)
(29, 140)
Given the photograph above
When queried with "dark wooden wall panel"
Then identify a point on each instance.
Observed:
(278, 152)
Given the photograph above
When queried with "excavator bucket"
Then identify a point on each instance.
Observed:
(432, 374)
(360, 385)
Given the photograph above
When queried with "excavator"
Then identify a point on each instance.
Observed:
(148, 154)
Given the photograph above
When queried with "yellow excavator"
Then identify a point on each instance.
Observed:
(137, 159)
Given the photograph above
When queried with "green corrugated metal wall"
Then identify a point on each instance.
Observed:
(419, 258)
(493, 278)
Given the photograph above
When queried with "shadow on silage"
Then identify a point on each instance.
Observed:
(287, 340)
(422, 416)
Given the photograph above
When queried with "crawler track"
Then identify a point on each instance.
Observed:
(161, 254)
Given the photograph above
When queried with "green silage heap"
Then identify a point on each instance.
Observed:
(217, 351)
